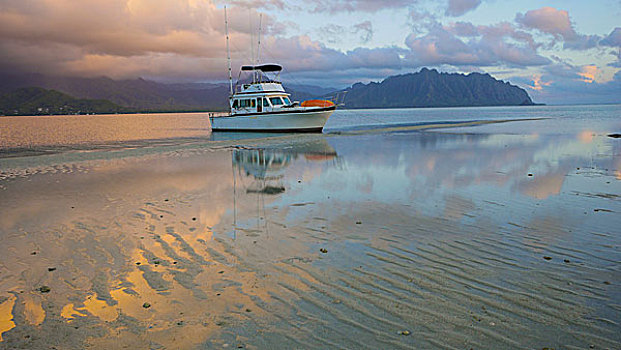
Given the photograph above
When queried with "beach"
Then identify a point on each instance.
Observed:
(494, 228)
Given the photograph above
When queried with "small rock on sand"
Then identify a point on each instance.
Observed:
(44, 289)
(146, 305)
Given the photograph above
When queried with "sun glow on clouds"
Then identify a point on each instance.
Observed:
(538, 84)
(184, 40)
(588, 73)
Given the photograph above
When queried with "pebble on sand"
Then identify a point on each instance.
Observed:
(547, 257)
(406, 332)
(323, 250)
(146, 305)
(50, 269)
(44, 289)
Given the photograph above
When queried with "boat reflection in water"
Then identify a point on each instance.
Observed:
(266, 166)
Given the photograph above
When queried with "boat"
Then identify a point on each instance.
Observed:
(261, 104)
(264, 105)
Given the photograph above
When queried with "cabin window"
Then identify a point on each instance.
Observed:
(260, 102)
(276, 101)
(253, 103)
(266, 102)
(287, 101)
(235, 103)
(245, 103)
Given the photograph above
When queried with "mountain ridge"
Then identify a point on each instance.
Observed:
(430, 88)
(425, 88)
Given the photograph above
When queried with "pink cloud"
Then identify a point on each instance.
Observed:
(548, 20)
(557, 23)
(122, 38)
(356, 5)
(463, 44)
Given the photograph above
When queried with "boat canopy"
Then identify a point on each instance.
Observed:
(269, 67)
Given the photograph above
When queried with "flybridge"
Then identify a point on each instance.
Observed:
(261, 73)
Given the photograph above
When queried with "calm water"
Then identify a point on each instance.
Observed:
(497, 235)
(96, 131)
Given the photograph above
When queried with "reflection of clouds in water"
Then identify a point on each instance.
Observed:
(586, 136)
(423, 213)
(140, 232)
(556, 151)
(6, 314)
(542, 186)
(99, 255)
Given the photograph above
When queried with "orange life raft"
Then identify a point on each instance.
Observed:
(317, 103)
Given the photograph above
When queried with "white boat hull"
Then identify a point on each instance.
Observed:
(307, 120)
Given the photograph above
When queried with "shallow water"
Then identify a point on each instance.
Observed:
(499, 235)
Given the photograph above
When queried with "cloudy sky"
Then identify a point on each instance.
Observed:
(560, 51)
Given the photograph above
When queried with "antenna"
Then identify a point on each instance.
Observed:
(254, 73)
(259, 45)
(228, 51)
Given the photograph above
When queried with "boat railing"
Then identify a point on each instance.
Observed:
(338, 98)
(241, 87)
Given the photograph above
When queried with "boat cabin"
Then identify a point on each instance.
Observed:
(263, 94)
(241, 104)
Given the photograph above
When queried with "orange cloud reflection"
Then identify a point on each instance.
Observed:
(586, 136)
(6, 315)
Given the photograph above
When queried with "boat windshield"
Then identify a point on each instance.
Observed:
(287, 101)
(276, 101)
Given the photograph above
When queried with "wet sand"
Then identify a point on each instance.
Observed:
(492, 236)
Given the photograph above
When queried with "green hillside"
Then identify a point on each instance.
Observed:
(38, 101)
